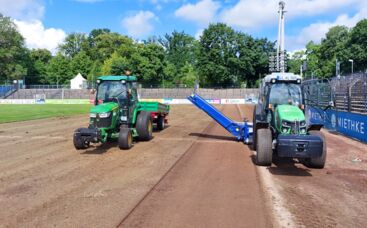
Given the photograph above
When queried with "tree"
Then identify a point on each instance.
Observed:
(230, 58)
(148, 63)
(59, 70)
(73, 44)
(296, 61)
(115, 65)
(313, 57)
(358, 45)
(81, 63)
(37, 70)
(108, 43)
(333, 47)
(180, 49)
(13, 54)
(218, 49)
(188, 75)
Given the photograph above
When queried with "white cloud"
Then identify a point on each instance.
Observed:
(203, 12)
(249, 14)
(37, 36)
(317, 31)
(199, 33)
(139, 24)
(22, 9)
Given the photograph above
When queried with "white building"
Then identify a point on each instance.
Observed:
(78, 82)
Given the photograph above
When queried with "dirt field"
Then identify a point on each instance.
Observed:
(192, 174)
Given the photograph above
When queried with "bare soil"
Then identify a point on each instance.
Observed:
(192, 174)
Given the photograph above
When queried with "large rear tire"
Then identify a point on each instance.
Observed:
(253, 146)
(318, 163)
(160, 122)
(125, 140)
(79, 143)
(144, 126)
(264, 151)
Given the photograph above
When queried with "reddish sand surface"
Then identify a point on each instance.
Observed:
(192, 174)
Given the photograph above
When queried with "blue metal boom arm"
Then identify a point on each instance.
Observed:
(239, 130)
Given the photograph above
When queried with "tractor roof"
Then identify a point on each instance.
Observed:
(118, 78)
(282, 77)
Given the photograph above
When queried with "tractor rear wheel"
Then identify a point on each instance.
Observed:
(253, 146)
(79, 143)
(264, 151)
(160, 122)
(125, 140)
(318, 163)
(144, 126)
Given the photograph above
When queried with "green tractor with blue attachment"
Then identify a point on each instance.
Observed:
(118, 114)
(279, 124)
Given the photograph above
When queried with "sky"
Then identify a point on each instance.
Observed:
(46, 23)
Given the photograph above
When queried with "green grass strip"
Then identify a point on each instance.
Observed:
(14, 113)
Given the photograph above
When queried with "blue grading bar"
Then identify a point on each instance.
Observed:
(241, 130)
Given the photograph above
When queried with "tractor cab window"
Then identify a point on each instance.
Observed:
(285, 93)
(108, 91)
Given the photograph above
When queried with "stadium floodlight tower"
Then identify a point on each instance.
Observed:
(280, 44)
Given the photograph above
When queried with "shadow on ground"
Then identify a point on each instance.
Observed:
(217, 137)
(286, 167)
(100, 148)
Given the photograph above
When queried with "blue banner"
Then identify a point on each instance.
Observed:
(350, 124)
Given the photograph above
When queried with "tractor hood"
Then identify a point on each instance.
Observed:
(290, 113)
(105, 107)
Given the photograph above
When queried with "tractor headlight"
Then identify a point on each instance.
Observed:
(104, 115)
(92, 115)
(285, 130)
(302, 124)
(286, 124)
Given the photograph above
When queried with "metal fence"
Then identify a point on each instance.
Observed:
(348, 93)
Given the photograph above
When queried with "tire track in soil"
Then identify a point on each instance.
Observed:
(72, 189)
(212, 185)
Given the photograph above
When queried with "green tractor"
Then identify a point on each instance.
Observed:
(118, 115)
(280, 127)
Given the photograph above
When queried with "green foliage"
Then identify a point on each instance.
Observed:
(37, 70)
(358, 45)
(188, 75)
(115, 65)
(73, 44)
(295, 63)
(81, 63)
(59, 70)
(13, 54)
(148, 63)
(229, 58)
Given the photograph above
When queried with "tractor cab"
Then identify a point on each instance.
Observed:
(115, 93)
(282, 101)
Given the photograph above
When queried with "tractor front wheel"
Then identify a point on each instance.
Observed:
(144, 126)
(264, 151)
(125, 140)
(318, 163)
(160, 122)
(79, 143)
